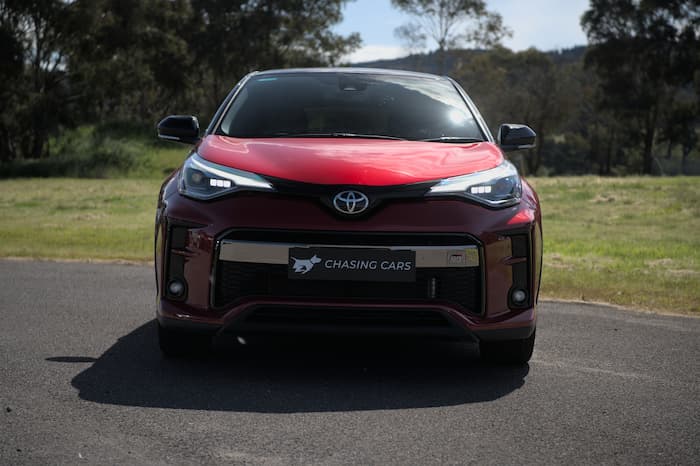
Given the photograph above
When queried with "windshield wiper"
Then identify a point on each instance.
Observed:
(452, 139)
(332, 135)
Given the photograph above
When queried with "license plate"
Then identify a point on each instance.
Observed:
(352, 264)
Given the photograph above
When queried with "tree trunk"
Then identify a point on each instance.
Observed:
(593, 147)
(647, 159)
(535, 159)
(441, 61)
(5, 145)
(684, 159)
(606, 166)
(647, 151)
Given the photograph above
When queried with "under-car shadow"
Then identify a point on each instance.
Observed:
(296, 376)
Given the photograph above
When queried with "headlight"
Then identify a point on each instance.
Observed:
(498, 187)
(202, 179)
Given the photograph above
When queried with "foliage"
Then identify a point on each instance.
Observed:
(558, 96)
(450, 23)
(33, 85)
(64, 64)
(646, 53)
(70, 69)
(232, 38)
(132, 59)
(108, 150)
(509, 86)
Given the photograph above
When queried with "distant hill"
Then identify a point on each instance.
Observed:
(429, 63)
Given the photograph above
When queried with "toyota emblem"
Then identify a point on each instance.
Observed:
(350, 202)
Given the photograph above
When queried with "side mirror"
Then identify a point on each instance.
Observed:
(180, 128)
(515, 137)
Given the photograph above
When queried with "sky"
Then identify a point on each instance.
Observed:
(543, 24)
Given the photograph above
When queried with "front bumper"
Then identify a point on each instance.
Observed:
(453, 324)
(500, 249)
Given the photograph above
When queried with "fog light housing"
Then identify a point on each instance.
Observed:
(176, 288)
(518, 296)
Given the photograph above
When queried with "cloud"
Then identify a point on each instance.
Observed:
(376, 52)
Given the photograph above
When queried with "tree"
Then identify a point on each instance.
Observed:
(11, 71)
(644, 52)
(450, 23)
(65, 63)
(132, 59)
(680, 128)
(33, 89)
(141, 59)
(231, 38)
(523, 86)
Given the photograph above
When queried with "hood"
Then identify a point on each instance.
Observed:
(368, 162)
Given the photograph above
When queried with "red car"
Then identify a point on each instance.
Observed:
(352, 201)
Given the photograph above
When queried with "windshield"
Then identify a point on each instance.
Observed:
(350, 105)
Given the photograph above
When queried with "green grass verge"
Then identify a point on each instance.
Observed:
(628, 241)
(67, 218)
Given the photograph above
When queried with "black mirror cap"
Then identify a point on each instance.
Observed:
(179, 128)
(515, 137)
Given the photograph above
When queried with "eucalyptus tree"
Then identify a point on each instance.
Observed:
(645, 52)
(450, 24)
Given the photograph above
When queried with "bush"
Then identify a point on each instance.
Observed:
(85, 152)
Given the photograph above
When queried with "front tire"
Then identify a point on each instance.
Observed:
(508, 351)
(177, 343)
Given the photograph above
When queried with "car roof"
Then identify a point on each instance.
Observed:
(353, 70)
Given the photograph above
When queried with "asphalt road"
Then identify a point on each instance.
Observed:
(82, 381)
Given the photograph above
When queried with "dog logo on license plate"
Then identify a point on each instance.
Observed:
(303, 266)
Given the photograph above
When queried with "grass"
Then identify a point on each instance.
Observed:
(628, 241)
(67, 218)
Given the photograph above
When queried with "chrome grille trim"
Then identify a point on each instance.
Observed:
(278, 253)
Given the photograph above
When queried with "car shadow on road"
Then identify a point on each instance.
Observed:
(298, 375)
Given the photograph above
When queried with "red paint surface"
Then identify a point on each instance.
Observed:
(368, 162)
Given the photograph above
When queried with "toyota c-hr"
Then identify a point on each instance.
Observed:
(351, 201)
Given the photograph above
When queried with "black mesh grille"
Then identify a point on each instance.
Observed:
(460, 286)
(235, 280)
